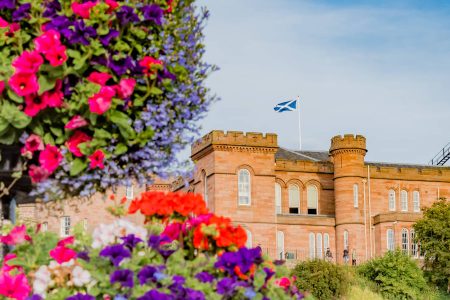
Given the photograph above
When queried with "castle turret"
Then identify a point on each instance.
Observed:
(347, 154)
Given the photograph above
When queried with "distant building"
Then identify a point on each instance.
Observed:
(296, 204)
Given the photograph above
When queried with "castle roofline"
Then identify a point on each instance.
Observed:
(404, 165)
(293, 155)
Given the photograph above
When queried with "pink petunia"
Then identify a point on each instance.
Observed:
(7, 267)
(173, 230)
(17, 235)
(101, 102)
(54, 98)
(75, 140)
(83, 9)
(96, 159)
(112, 5)
(99, 77)
(34, 143)
(24, 84)
(3, 23)
(28, 62)
(125, 87)
(2, 86)
(14, 286)
(76, 122)
(47, 41)
(33, 105)
(37, 174)
(148, 63)
(50, 158)
(66, 241)
(62, 254)
(57, 55)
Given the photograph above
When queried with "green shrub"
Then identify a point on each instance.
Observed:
(324, 280)
(396, 276)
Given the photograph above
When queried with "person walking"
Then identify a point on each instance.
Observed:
(345, 256)
(329, 255)
(354, 257)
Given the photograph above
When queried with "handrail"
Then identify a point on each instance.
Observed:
(441, 155)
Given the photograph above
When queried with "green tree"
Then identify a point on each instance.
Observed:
(433, 234)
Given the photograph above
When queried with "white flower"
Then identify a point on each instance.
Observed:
(105, 235)
(80, 276)
(42, 280)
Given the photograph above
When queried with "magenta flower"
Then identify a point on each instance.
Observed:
(101, 102)
(2, 86)
(33, 105)
(57, 55)
(47, 41)
(34, 143)
(150, 64)
(37, 174)
(125, 87)
(50, 158)
(28, 62)
(17, 235)
(54, 98)
(83, 9)
(96, 159)
(14, 286)
(76, 122)
(99, 78)
(62, 254)
(24, 84)
(75, 140)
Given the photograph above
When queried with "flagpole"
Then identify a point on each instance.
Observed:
(299, 124)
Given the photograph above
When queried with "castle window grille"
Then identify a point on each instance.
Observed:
(355, 195)
(313, 199)
(391, 200)
(319, 246)
(416, 201)
(405, 241)
(65, 226)
(404, 200)
(244, 187)
(390, 239)
(248, 243)
(277, 198)
(280, 245)
(413, 243)
(294, 199)
(312, 246)
(345, 239)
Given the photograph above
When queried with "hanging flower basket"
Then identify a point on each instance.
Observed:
(99, 93)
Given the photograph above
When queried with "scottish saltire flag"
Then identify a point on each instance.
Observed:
(286, 106)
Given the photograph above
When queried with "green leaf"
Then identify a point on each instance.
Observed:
(102, 134)
(138, 101)
(93, 119)
(73, 53)
(48, 139)
(85, 148)
(37, 128)
(4, 124)
(17, 174)
(123, 122)
(155, 91)
(120, 149)
(78, 165)
(14, 97)
(20, 120)
(45, 84)
(9, 136)
(56, 131)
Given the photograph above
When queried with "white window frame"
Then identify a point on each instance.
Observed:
(390, 240)
(244, 188)
(416, 201)
(355, 195)
(311, 191)
(391, 200)
(414, 246)
(405, 241)
(44, 227)
(278, 198)
(205, 188)
(319, 245)
(312, 245)
(404, 200)
(346, 239)
(66, 224)
(129, 192)
(280, 245)
(294, 190)
(249, 242)
(326, 241)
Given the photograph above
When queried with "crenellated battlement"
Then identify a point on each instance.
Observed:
(235, 138)
(409, 172)
(348, 142)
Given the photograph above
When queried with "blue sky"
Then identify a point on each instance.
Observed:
(377, 68)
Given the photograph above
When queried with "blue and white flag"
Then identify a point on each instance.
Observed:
(286, 106)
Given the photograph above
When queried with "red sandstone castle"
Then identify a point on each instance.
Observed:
(297, 204)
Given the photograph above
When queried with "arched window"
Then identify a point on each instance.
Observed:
(405, 241)
(345, 239)
(244, 191)
(319, 246)
(248, 243)
(391, 200)
(413, 243)
(294, 199)
(355, 195)
(277, 198)
(390, 239)
(313, 199)
(404, 200)
(312, 246)
(326, 241)
(65, 226)
(416, 201)
(205, 188)
(280, 245)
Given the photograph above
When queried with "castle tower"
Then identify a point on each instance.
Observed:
(347, 154)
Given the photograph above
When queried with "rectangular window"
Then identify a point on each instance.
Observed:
(355, 195)
(244, 187)
(313, 199)
(405, 241)
(312, 246)
(390, 239)
(413, 244)
(65, 226)
(404, 200)
(85, 224)
(294, 199)
(129, 192)
(277, 198)
(391, 200)
(44, 227)
(319, 246)
(416, 201)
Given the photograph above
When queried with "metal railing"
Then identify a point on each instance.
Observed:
(441, 157)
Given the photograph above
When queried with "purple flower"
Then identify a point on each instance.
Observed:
(115, 253)
(244, 259)
(148, 273)
(81, 33)
(158, 243)
(153, 13)
(106, 39)
(130, 241)
(194, 295)
(269, 273)
(81, 297)
(165, 74)
(126, 15)
(51, 9)
(155, 295)
(204, 277)
(7, 4)
(124, 277)
(34, 297)
(84, 255)
(121, 66)
(22, 12)
(225, 286)
(62, 24)
(249, 293)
